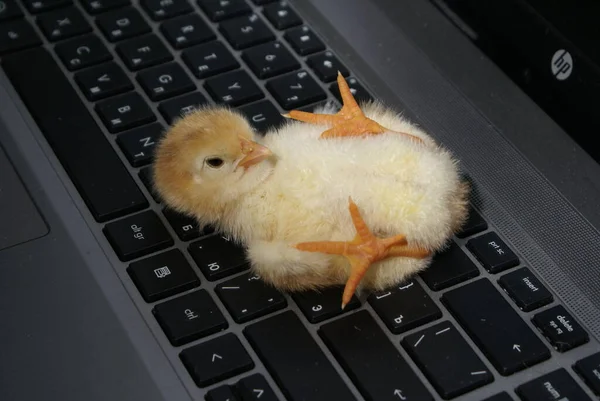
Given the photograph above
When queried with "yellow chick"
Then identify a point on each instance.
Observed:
(362, 197)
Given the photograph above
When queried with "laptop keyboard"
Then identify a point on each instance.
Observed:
(104, 78)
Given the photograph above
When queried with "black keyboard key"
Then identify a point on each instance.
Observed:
(447, 360)
(503, 396)
(262, 2)
(102, 81)
(449, 267)
(295, 90)
(323, 304)
(295, 361)
(137, 235)
(492, 252)
(165, 81)
(138, 144)
(256, 388)
(146, 178)
(218, 257)
(216, 360)
(99, 6)
(88, 158)
(189, 317)
(63, 23)
(38, 6)
(281, 15)
(181, 106)
(303, 40)
(163, 275)
(17, 35)
(371, 360)
(326, 65)
(234, 88)
(243, 32)
(9, 9)
(560, 328)
(218, 10)
(474, 224)
(495, 327)
(404, 307)
(209, 59)
(83, 51)
(556, 385)
(186, 31)
(159, 10)
(143, 52)
(358, 91)
(262, 115)
(588, 369)
(270, 59)
(186, 227)
(525, 289)
(122, 23)
(247, 297)
(124, 112)
(222, 393)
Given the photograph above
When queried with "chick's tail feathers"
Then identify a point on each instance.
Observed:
(363, 251)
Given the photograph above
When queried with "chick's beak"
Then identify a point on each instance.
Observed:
(253, 153)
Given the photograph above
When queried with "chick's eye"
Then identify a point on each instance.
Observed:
(214, 162)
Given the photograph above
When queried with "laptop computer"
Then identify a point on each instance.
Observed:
(107, 295)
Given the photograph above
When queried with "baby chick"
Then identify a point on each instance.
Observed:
(362, 197)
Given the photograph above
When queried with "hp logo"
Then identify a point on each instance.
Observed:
(562, 64)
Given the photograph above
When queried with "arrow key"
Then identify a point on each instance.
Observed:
(222, 393)
(215, 360)
(255, 387)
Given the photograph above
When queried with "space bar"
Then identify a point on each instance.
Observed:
(102, 180)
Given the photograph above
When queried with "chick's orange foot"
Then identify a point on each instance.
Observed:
(349, 121)
(362, 251)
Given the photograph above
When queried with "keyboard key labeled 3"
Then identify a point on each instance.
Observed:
(371, 360)
(525, 289)
(163, 275)
(492, 252)
(216, 360)
(137, 235)
(447, 360)
(189, 317)
(557, 385)
(560, 328)
(495, 327)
